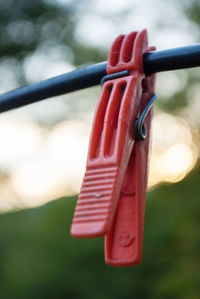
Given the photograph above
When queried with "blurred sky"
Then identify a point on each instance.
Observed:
(44, 145)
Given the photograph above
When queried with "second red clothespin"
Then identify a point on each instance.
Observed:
(112, 197)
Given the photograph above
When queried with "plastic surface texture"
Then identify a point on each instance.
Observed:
(112, 196)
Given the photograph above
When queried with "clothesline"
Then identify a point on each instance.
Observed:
(157, 61)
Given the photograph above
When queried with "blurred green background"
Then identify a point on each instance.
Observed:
(38, 258)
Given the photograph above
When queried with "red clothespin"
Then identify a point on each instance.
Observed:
(112, 197)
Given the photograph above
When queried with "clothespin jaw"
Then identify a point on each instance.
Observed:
(127, 52)
(111, 200)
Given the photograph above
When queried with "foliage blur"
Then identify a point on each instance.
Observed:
(38, 258)
(26, 26)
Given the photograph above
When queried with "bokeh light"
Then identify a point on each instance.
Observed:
(44, 146)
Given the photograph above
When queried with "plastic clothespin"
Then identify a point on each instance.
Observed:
(111, 200)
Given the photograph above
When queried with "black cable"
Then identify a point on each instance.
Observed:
(78, 79)
(158, 61)
(172, 59)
